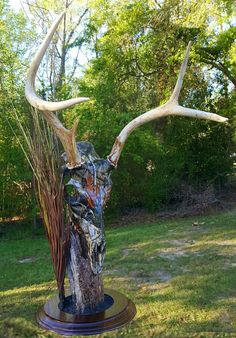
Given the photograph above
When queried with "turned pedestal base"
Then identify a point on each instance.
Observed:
(117, 315)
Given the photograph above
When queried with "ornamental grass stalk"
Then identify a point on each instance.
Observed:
(42, 152)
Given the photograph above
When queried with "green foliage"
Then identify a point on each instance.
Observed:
(136, 48)
(15, 186)
(138, 51)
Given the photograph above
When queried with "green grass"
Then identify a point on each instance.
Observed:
(181, 277)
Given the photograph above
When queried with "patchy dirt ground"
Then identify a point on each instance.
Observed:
(226, 201)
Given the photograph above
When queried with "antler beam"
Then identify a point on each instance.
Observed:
(171, 107)
(66, 136)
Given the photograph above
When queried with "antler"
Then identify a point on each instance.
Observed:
(67, 137)
(171, 107)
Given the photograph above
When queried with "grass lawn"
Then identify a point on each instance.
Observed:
(182, 277)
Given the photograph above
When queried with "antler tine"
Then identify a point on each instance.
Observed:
(30, 92)
(67, 137)
(178, 86)
(171, 107)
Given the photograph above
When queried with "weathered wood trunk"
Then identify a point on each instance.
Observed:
(86, 287)
(87, 188)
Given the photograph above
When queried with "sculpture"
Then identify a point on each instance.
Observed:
(87, 186)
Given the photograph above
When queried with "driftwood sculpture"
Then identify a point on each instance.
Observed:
(87, 185)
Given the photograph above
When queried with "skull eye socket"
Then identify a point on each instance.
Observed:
(70, 191)
(71, 195)
(75, 196)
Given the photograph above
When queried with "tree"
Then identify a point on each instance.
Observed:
(138, 46)
(15, 181)
(67, 44)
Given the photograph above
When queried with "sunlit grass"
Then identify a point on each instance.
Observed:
(181, 277)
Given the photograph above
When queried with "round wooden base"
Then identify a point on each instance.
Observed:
(121, 312)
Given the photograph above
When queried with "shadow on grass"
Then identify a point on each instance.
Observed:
(19, 307)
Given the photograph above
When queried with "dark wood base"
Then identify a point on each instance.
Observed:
(117, 315)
